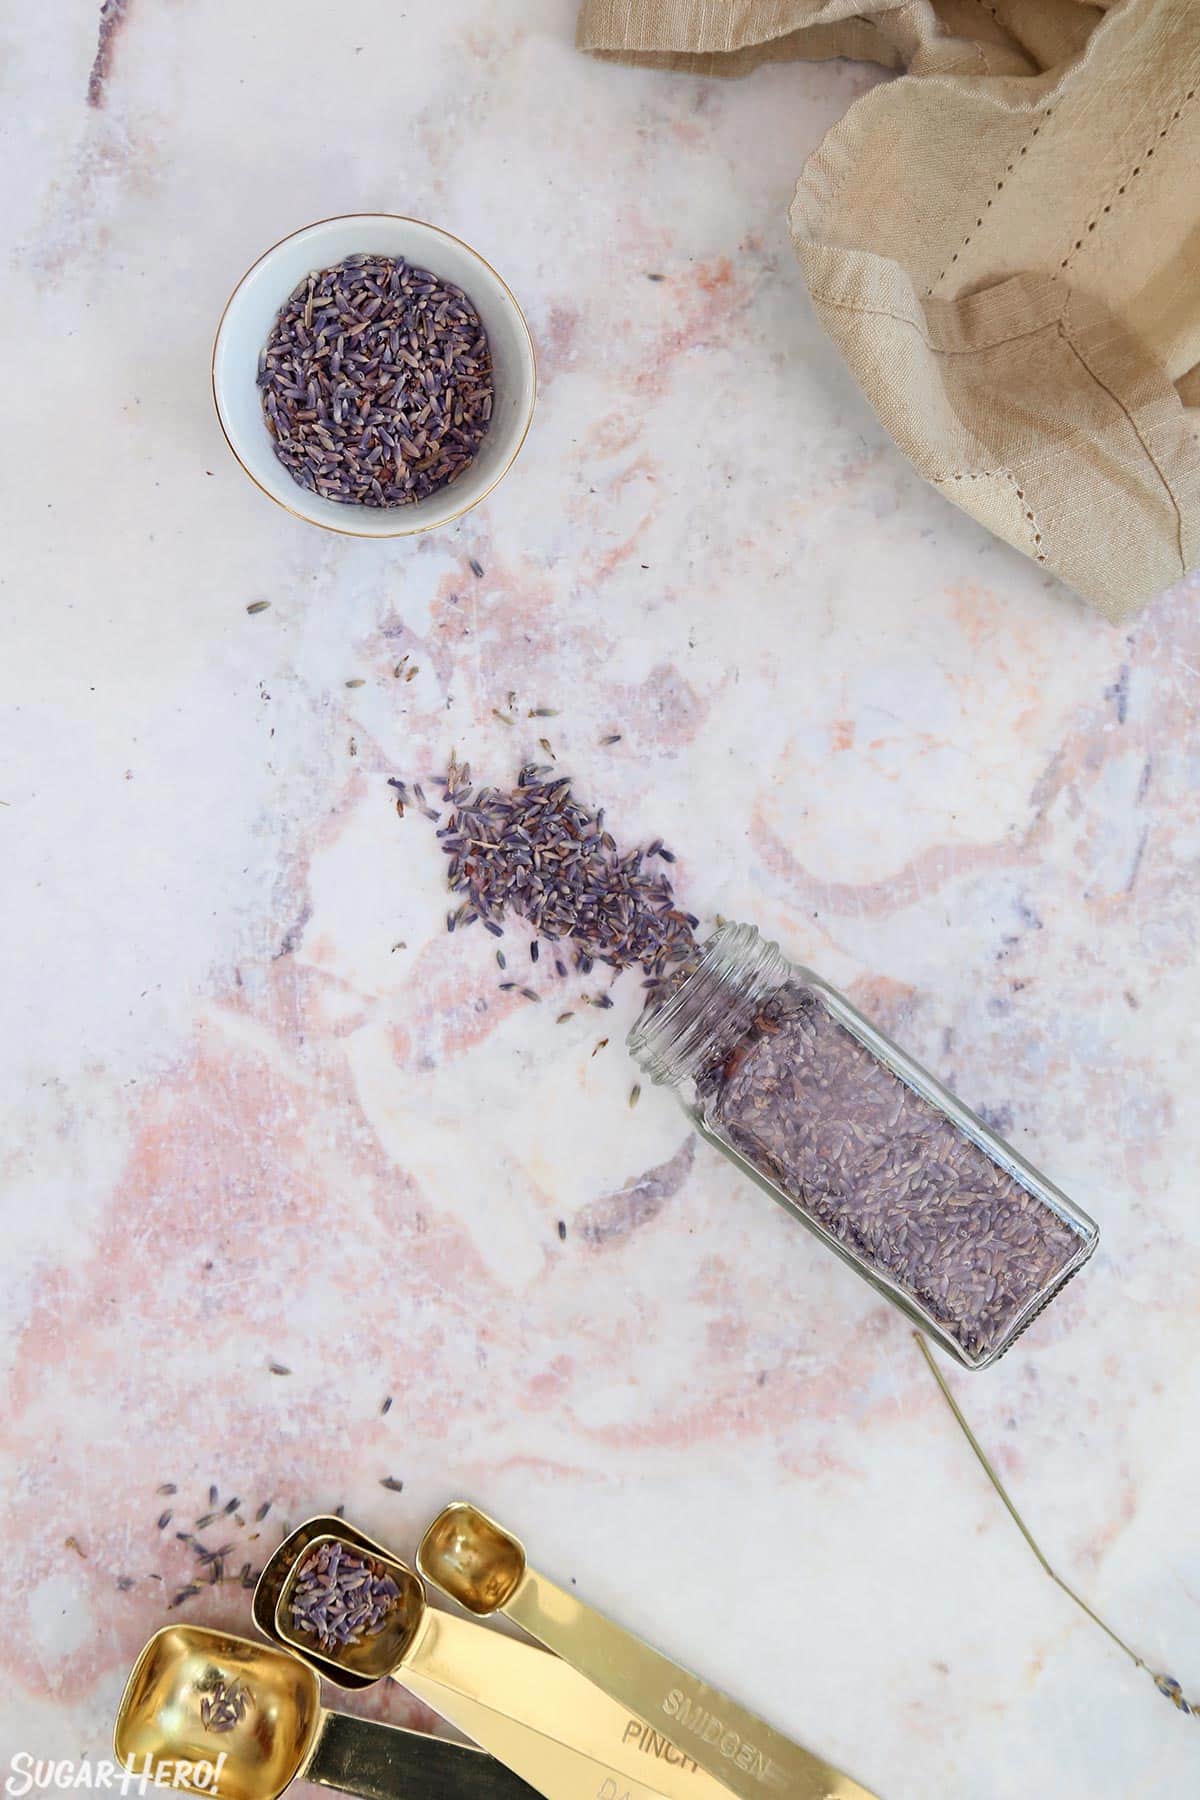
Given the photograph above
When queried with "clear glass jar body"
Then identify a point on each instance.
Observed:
(786, 1078)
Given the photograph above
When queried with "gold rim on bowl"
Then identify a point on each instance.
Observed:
(345, 530)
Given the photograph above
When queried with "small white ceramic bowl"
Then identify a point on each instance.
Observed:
(251, 311)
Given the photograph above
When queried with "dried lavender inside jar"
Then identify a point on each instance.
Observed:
(863, 1145)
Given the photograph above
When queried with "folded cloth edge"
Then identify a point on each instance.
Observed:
(1109, 498)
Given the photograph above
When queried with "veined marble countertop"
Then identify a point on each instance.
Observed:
(261, 1110)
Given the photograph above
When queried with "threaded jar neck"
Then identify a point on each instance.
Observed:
(701, 1016)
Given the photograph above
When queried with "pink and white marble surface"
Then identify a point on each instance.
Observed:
(260, 1109)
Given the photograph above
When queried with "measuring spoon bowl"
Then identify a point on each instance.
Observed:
(472, 1558)
(372, 1657)
(276, 1572)
(266, 1707)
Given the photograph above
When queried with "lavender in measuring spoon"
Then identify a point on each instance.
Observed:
(341, 1596)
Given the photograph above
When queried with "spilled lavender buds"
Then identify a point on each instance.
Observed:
(341, 1596)
(376, 382)
(536, 851)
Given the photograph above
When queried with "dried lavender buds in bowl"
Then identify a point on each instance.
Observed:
(374, 375)
(376, 382)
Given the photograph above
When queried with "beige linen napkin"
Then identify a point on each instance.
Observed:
(1005, 245)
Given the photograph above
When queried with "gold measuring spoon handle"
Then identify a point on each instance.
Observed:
(388, 1762)
(734, 1745)
(523, 1689)
(482, 1565)
(557, 1769)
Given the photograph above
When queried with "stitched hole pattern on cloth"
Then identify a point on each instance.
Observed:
(1031, 518)
(1009, 168)
(1132, 176)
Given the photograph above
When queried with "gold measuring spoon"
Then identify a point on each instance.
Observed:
(484, 1567)
(236, 1720)
(562, 1734)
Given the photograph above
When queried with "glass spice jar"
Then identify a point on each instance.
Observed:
(859, 1143)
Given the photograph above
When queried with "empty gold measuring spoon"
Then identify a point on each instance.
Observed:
(484, 1567)
(554, 1727)
(236, 1720)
